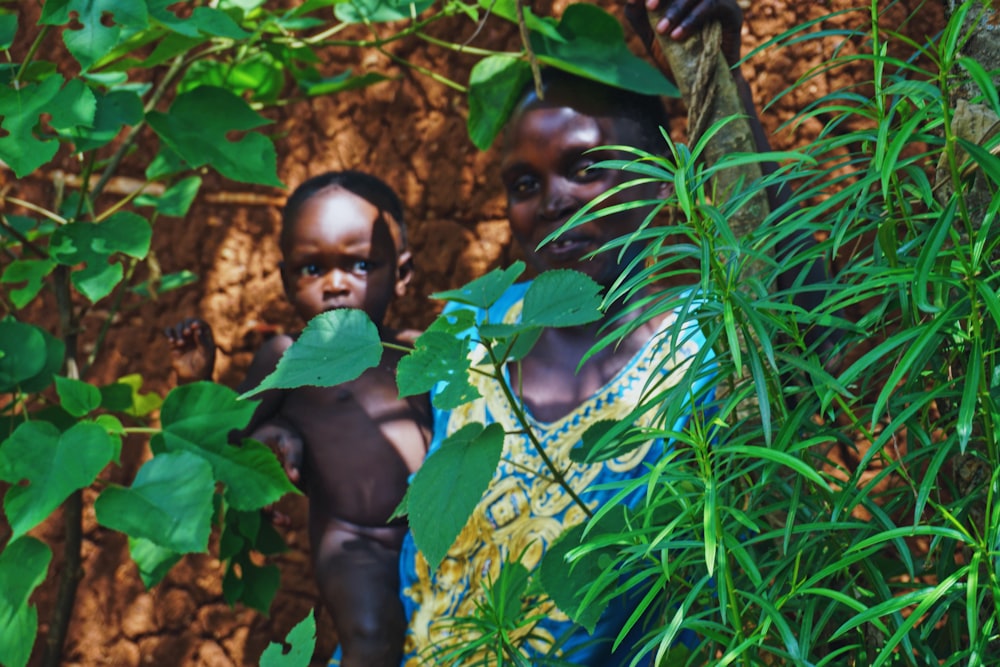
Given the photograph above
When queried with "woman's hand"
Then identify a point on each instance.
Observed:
(192, 350)
(682, 18)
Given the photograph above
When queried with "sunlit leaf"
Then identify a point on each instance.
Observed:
(561, 298)
(197, 128)
(93, 244)
(378, 11)
(438, 357)
(301, 638)
(102, 22)
(483, 292)
(32, 272)
(154, 562)
(494, 86)
(335, 347)
(114, 110)
(204, 413)
(53, 464)
(169, 503)
(449, 484)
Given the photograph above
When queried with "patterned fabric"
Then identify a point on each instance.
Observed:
(522, 512)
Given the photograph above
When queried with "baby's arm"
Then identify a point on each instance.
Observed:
(192, 350)
(284, 439)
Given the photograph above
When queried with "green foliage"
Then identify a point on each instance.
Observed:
(302, 639)
(23, 565)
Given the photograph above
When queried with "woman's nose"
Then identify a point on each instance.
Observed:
(557, 203)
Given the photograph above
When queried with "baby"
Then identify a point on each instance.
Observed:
(352, 447)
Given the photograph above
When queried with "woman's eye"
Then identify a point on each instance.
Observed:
(310, 270)
(584, 171)
(522, 186)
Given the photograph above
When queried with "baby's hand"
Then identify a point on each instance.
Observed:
(683, 18)
(192, 350)
(287, 444)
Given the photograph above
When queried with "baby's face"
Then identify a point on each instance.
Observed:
(546, 174)
(343, 253)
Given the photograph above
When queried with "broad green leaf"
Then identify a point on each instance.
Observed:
(169, 503)
(253, 476)
(32, 272)
(335, 347)
(8, 29)
(437, 357)
(259, 585)
(570, 568)
(166, 163)
(494, 86)
(215, 22)
(102, 24)
(449, 484)
(22, 353)
(77, 397)
(483, 292)
(204, 413)
(592, 45)
(94, 244)
(197, 128)
(561, 298)
(24, 563)
(313, 86)
(154, 562)
(379, 11)
(114, 110)
(53, 464)
(19, 114)
(507, 10)
(175, 200)
(301, 638)
(260, 75)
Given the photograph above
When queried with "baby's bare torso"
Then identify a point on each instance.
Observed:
(361, 444)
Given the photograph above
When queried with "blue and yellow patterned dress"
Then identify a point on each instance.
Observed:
(522, 513)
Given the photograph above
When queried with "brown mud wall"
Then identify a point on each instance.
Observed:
(411, 132)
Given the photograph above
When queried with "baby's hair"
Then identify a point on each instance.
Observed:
(370, 188)
(646, 113)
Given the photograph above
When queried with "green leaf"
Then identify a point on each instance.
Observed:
(154, 562)
(116, 109)
(204, 413)
(102, 20)
(53, 464)
(32, 272)
(483, 292)
(449, 484)
(215, 22)
(175, 200)
(335, 347)
(55, 353)
(570, 567)
(260, 584)
(22, 353)
(19, 113)
(77, 397)
(23, 565)
(437, 357)
(169, 503)
(8, 30)
(124, 396)
(197, 418)
(197, 128)
(561, 298)
(301, 638)
(166, 283)
(93, 244)
(378, 11)
(313, 86)
(494, 86)
(592, 45)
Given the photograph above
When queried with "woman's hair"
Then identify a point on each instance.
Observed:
(370, 188)
(641, 116)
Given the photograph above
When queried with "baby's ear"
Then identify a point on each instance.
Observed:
(404, 271)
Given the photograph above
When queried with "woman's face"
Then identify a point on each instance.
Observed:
(546, 177)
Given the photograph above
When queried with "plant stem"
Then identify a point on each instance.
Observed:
(73, 507)
(32, 50)
(522, 419)
(41, 210)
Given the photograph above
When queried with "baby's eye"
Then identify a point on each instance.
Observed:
(310, 270)
(363, 266)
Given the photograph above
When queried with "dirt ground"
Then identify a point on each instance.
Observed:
(411, 132)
